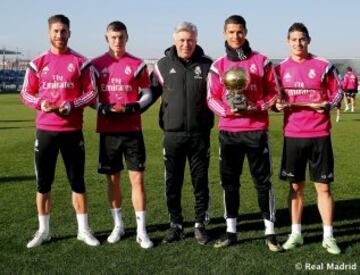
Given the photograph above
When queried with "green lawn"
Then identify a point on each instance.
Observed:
(65, 255)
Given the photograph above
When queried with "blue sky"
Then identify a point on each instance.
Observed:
(333, 25)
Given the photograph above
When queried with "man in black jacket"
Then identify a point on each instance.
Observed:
(180, 78)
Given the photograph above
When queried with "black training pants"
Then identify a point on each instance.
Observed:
(234, 146)
(196, 148)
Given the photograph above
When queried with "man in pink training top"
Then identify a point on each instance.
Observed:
(244, 133)
(311, 89)
(59, 84)
(122, 77)
(350, 87)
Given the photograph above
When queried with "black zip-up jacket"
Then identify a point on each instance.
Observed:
(183, 87)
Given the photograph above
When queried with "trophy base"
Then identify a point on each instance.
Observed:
(319, 105)
(54, 108)
(240, 109)
(237, 102)
(118, 107)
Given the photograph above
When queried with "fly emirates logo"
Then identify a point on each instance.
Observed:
(57, 82)
(115, 85)
(299, 89)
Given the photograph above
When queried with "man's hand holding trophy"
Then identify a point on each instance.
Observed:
(49, 101)
(51, 104)
(120, 106)
(281, 104)
(236, 80)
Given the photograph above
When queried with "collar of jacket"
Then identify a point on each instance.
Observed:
(236, 55)
(172, 54)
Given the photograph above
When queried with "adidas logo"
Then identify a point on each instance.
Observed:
(172, 71)
(287, 77)
(45, 70)
(105, 71)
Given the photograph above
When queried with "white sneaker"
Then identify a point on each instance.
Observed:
(87, 237)
(330, 245)
(346, 109)
(293, 241)
(352, 110)
(144, 241)
(39, 238)
(116, 234)
(337, 118)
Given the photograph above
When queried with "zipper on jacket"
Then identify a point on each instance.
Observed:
(186, 115)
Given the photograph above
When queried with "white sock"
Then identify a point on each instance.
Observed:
(44, 223)
(141, 222)
(328, 231)
(231, 225)
(198, 224)
(269, 227)
(296, 228)
(82, 220)
(117, 216)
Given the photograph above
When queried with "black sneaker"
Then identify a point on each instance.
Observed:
(201, 235)
(226, 240)
(174, 233)
(273, 244)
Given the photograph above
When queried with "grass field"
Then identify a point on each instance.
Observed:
(65, 255)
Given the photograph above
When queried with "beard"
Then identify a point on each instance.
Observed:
(59, 44)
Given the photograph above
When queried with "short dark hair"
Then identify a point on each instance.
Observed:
(59, 18)
(235, 19)
(300, 27)
(117, 26)
(349, 69)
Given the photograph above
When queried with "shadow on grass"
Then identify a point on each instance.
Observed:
(16, 179)
(253, 222)
(345, 211)
(15, 120)
(102, 236)
(8, 128)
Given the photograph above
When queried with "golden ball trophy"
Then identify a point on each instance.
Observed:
(236, 80)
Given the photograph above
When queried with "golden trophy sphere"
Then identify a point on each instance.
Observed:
(236, 79)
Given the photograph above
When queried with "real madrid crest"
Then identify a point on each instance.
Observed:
(71, 68)
(197, 72)
(127, 70)
(253, 69)
(312, 73)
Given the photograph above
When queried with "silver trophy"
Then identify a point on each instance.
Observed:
(236, 80)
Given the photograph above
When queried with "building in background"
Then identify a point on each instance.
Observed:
(13, 67)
